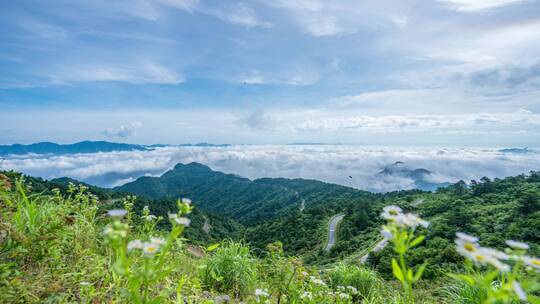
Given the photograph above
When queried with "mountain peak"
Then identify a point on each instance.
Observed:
(192, 165)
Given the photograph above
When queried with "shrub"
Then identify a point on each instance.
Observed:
(458, 292)
(365, 281)
(230, 269)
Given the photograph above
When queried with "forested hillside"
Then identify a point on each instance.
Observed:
(248, 202)
(59, 241)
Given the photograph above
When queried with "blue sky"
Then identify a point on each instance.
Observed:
(447, 72)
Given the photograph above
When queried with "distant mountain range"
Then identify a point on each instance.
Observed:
(86, 147)
(420, 176)
(515, 150)
(80, 147)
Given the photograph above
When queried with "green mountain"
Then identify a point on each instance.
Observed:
(244, 200)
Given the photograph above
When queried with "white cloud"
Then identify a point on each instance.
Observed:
(322, 25)
(327, 163)
(135, 74)
(294, 76)
(124, 131)
(257, 120)
(238, 14)
(471, 6)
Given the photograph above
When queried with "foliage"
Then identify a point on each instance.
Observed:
(365, 281)
(231, 269)
(61, 245)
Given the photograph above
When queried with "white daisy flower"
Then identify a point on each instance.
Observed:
(410, 220)
(466, 237)
(352, 289)
(117, 213)
(519, 291)
(135, 244)
(391, 212)
(157, 240)
(319, 282)
(184, 221)
(107, 230)
(261, 292)
(495, 253)
(150, 248)
(502, 267)
(517, 245)
(306, 295)
(482, 256)
(344, 295)
(150, 217)
(467, 248)
(532, 262)
(386, 233)
(186, 201)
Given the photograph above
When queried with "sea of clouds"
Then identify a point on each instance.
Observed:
(355, 166)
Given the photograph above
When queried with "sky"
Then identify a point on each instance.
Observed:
(406, 73)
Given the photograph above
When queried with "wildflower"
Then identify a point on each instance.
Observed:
(532, 262)
(261, 292)
(391, 212)
(305, 274)
(307, 295)
(519, 291)
(410, 220)
(150, 248)
(344, 295)
(502, 267)
(186, 201)
(386, 233)
(117, 213)
(517, 245)
(107, 230)
(466, 237)
(352, 289)
(319, 282)
(466, 245)
(495, 253)
(158, 241)
(184, 221)
(150, 217)
(135, 244)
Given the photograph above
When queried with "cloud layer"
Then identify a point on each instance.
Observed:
(327, 163)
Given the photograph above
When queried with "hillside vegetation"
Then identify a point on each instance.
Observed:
(62, 243)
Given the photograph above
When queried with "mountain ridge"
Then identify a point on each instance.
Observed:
(75, 148)
(243, 199)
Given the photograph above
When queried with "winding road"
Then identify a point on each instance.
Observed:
(334, 221)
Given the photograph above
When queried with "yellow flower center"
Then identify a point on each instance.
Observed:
(393, 212)
(535, 262)
(469, 247)
(480, 258)
(151, 249)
